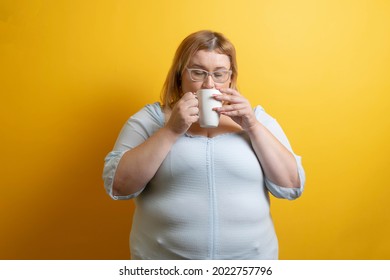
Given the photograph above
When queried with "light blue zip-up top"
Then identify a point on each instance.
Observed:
(209, 198)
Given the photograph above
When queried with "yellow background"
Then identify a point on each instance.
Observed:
(72, 72)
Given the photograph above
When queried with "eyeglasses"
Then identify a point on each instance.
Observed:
(199, 75)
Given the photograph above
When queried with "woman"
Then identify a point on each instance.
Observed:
(202, 193)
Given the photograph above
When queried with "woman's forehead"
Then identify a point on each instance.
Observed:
(210, 59)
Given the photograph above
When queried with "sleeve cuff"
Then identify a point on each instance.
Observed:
(110, 166)
(285, 192)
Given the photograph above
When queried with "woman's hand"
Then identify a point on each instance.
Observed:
(236, 107)
(184, 113)
(277, 161)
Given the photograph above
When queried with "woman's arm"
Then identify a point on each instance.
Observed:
(277, 161)
(138, 166)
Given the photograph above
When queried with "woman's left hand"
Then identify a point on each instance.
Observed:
(236, 107)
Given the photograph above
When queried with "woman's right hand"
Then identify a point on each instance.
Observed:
(184, 113)
(138, 165)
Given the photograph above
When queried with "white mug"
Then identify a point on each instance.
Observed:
(207, 116)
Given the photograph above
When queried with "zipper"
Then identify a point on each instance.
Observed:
(212, 197)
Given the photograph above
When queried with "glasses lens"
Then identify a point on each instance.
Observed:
(198, 75)
(221, 76)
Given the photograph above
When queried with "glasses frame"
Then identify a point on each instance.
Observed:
(209, 74)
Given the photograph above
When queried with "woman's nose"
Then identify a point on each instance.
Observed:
(208, 83)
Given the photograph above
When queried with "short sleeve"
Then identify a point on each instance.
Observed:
(273, 126)
(136, 130)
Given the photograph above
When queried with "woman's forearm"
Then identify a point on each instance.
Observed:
(137, 166)
(277, 161)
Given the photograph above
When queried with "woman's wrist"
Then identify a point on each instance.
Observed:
(170, 134)
(254, 128)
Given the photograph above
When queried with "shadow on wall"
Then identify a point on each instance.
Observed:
(70, 216)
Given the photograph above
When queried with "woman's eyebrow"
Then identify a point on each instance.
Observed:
(197, 66)
(202, 67)
(221, 68)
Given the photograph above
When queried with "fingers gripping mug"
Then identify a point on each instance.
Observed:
(208, 117)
